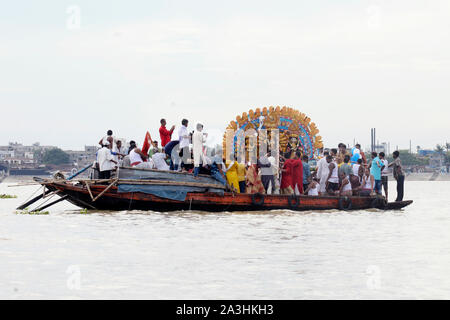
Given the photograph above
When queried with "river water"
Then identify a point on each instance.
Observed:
(370, 254)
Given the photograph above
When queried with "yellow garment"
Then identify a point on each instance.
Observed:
(232, 175)
(241, 171)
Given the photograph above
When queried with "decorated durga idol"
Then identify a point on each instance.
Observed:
(287, 128)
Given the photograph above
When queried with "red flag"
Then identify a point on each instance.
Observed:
(147, 143)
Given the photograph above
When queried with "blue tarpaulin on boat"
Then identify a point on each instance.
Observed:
(167, 192)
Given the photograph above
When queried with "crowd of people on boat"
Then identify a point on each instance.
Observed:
(341, 171)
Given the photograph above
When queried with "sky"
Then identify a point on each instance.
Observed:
(71, 70)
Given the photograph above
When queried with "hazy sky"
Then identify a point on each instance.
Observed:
(70, 70)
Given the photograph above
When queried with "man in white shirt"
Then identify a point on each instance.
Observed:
(159, 161)
(119, 151)
(198, 138)
(105, 160)
(323, 172)
(140, 160)
(184, 138)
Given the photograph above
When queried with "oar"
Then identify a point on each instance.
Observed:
(51, 203)
(26, 204)
(79, 172)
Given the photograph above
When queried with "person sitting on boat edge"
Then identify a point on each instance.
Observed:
(367, 184)
(132, 146)
(154, 149)
(140, 160)
(159, 161)
(105, 160)
(345, 188)
(313, 187)
(216, 170)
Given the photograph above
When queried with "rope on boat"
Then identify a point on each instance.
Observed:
(29, 198)
(42, 204)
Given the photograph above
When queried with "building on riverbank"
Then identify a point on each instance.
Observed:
(21, 157)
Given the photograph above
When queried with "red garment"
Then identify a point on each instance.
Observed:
(165, 135)
(297, 175)
(287, 177)
(146, 145)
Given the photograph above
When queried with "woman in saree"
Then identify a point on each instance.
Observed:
(232, 175)
(254, 184)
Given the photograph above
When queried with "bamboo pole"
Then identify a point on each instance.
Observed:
(89, 190)
(50, 194)
(106, 189)
(51, 203)
(30, 202)
(24, 184)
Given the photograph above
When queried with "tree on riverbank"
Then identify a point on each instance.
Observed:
(55, 156)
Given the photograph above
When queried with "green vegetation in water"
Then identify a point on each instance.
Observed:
(27, 211)
(7, 196)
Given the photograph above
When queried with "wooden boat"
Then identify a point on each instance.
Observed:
(130, 191)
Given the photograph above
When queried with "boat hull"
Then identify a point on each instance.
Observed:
(80, 196)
